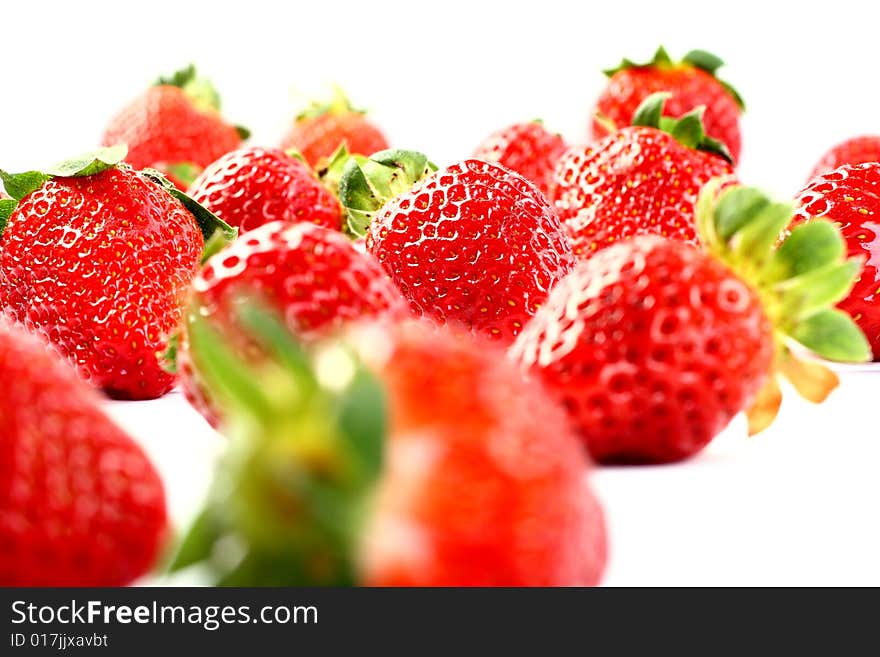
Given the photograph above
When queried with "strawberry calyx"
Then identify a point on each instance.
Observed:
(368, 183)
(799, 281)
(306, 446)
(338, 103)
(331, 172)
(687, 130)
(199, 90)
(701, 59)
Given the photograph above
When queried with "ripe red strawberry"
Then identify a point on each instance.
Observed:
(312, 275)
(484, 449)
(475, 243)
(642, 179)
(850, 196)
(691, 83)
(653, 345)
(857, 150)
(527, 148)
(80, 503)
(321, 129)
(479, 483)
(253, 186)
(175, 126)
(98, 257)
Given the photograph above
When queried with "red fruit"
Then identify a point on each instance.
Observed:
(475, 243)
(640, 180)
(319, 131)
(668, 345)
(850, 196)
(857, 150)
(175, 127)
(691, 83)
(253, 186)
(653, 345)
(100, 265)
(483, 450)
(80, 503)
(527, 148)
(313, 276)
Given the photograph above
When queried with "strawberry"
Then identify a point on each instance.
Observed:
(527, 148)
(80, 503)
(641, 179)
(175, 126)
(653, 345)
(690, 83)
(325, 126)
(475, 243)
(857, 150)
(253, 186)
(396, 497)
(314, 276)
(98, 257)
(850, 197)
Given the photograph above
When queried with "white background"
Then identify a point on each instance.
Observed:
(797, 505)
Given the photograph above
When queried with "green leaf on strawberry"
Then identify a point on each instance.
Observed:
(19, 185)
(799, 282)
(89, 163)
(199, 90)
(367, 184)
(688, 130)
(660, 58)
(306, 448)
(7, 207)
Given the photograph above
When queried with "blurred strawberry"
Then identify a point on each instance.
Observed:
(857, 150)
(175, 126)
(850, 197)
(80, 503)
(527, 148)
(312, 275)
(642, 179)
(252, 186)
(98, 258)
(473, 244)
(653, 345)
(691, 83)
(325, 126)
(323, 486)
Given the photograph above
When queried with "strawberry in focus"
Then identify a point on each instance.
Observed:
(253, 186)
(527, 148)
(850, 197)
(857, 150)
(473, 244)
(313, 276)
(98, 258)
(80, 503)
(175, 126)
(643, 179)
(691, 83)
(320, 130)
(653, 345)
(392, 486)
